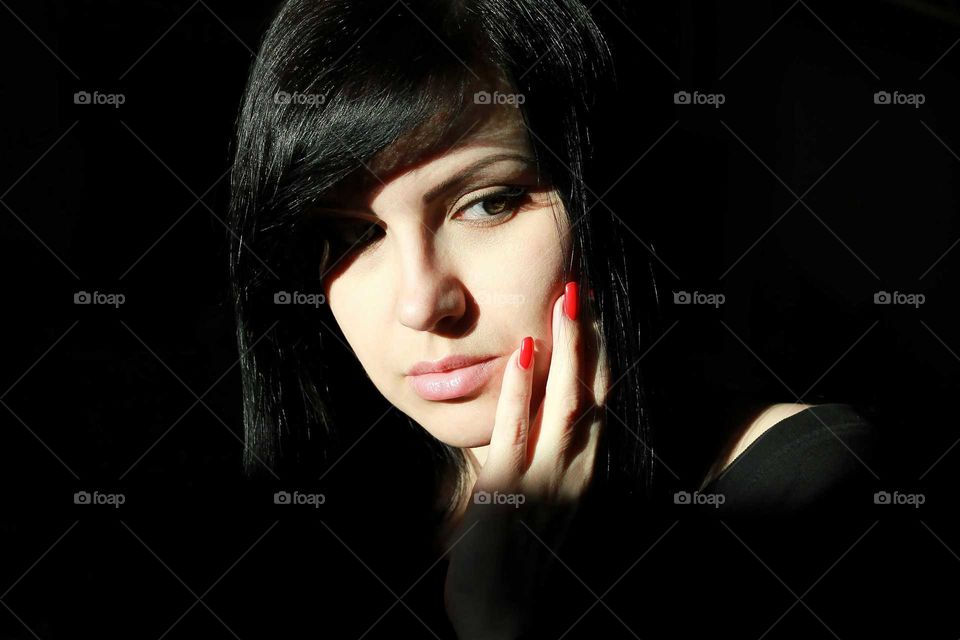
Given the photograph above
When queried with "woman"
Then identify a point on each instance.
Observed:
(425, 167)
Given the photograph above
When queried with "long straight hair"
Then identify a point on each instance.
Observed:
(339, 86)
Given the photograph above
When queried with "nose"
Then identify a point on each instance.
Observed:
(430, 293)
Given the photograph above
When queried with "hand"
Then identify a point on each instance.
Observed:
(527, 491)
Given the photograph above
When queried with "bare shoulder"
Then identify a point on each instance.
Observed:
(772, 415)
(744, 437)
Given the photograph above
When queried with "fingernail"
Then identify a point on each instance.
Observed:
(526, 353)
(570, 300)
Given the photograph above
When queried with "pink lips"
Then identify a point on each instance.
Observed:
(450, 378)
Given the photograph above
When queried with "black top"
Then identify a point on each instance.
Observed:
(825, 456)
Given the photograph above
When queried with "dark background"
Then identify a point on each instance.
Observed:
(145, 399)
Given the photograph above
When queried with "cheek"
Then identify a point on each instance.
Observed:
(354, 307)
(522, 274)
(514, 275)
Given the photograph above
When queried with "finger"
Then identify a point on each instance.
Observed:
(507, 455)
(565, 394)
(601, 379)
(594, 364)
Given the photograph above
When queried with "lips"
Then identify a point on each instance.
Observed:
(452, 377)
(446, 364)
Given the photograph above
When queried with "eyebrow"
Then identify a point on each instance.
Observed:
(449, 184)
(469, 171)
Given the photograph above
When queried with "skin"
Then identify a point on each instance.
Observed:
(545, 457)
(744, 437)
(433, 286)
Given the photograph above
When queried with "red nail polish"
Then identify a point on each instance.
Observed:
(526, 353)
(570, 300)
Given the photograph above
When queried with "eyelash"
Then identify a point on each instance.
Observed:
(512, 195)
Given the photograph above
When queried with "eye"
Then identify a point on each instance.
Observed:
(351, 236)
(493, 207)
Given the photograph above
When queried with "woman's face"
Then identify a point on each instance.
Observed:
(448, 275)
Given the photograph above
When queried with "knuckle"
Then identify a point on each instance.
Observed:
(518, 435)
(569, 406)
(512, 455)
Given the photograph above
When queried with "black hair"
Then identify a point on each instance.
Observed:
(340, 86)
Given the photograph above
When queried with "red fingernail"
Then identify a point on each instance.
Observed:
(526, 353)
(570, 301)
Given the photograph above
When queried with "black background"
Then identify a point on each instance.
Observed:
(132, 200)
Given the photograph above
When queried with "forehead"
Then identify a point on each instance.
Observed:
(425, 156)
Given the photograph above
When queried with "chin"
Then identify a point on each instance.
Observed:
(475, 440)
(463, 435)
(465, 422)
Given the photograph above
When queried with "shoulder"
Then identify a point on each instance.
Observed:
(795, 456)
(748, 433)
(771, 416)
